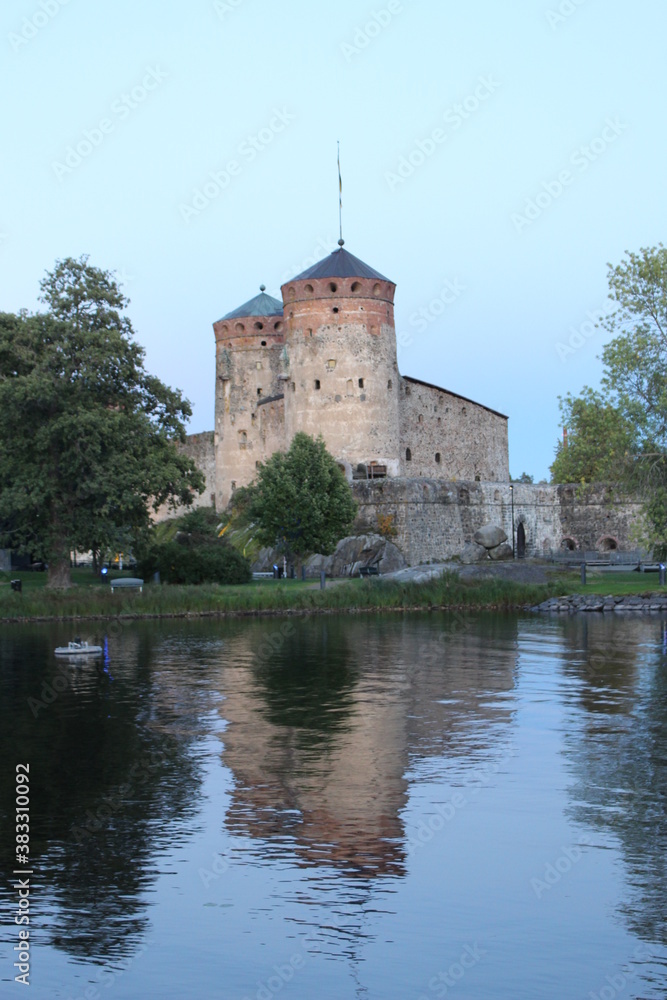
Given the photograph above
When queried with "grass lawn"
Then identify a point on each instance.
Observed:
(90, 597)
(613, 584)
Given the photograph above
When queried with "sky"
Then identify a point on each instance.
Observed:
(496, 157)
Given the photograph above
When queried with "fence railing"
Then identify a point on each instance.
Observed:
(593, 557)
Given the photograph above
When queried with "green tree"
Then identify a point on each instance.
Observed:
(599, 444)
(87, 436)
(635, 361)
(620, 432)
(302, 502)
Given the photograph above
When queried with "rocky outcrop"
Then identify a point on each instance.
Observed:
(350, 556)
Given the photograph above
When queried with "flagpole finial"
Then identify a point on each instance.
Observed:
(341, 242)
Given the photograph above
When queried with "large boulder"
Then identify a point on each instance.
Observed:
(356, 552)
(473, 553)
(503, 551)
(490, 536)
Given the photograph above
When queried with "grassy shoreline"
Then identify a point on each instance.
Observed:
(447, 593)
(91, 600)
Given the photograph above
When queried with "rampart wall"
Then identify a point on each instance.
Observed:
(433, 520)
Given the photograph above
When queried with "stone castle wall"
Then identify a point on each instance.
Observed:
(434, 519)
(271, 413)
(201, 449)
(444, 436)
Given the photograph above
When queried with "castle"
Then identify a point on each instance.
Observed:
(426, 460)
(324, 361)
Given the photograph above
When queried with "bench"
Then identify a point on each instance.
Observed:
(263, 576)
(369, 571)
(127, 583)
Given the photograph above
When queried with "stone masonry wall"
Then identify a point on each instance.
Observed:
(434, 519)
(343, 375)
(248, 369)
(449, 437)
(201, 449)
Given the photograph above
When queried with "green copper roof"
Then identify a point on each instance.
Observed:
(261, 305)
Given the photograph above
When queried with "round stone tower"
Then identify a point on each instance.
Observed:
(248, 400)
(343, 381)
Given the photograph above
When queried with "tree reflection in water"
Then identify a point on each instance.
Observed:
(110, 786)
(619, 755)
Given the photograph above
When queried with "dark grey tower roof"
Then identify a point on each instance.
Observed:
(261, 305)
(340, 264)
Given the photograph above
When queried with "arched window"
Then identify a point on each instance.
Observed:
(408, 455)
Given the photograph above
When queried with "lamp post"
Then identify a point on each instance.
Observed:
(512, 496)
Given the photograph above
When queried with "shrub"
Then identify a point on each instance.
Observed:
(192, 559)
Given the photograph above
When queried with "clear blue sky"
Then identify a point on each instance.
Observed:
(517, 93)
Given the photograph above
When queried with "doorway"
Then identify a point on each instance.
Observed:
(521, 541)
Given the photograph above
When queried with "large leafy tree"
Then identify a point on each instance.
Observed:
(88, 438)
(599, 443)
(620, 432)
(301, 501)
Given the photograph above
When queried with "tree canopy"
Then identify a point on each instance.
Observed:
(619, 432)
(87, 436)
(599, 443)
(301, 501)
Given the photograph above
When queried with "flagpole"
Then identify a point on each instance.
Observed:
(341, 241)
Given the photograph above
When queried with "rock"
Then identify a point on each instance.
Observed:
(490, 536)
(355, 552)
(502, 551)
(422, 573)
(473, 553)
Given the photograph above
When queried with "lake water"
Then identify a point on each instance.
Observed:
(342, 806)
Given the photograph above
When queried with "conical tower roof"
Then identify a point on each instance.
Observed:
(261, 305)
(340, 264)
